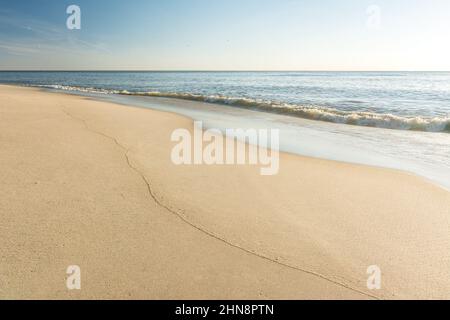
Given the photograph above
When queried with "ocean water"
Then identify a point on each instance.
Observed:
(397, 120)
(396, 100)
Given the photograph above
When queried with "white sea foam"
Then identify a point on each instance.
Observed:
(77, 89)
(387, 121)
(368, 119)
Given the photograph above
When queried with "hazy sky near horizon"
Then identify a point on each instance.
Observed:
(226, 35)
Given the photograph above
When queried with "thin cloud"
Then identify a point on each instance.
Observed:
(42, 37)
(18, 49)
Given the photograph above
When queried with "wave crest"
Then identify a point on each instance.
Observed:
(311, 112)
(368, 119)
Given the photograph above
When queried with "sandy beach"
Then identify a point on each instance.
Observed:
(91, 183)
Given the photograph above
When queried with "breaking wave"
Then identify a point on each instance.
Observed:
(311, 112)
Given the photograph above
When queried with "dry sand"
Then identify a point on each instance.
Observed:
(91, 183)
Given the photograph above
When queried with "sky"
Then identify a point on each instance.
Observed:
(226, 35)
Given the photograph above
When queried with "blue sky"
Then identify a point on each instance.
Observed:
(226, 35)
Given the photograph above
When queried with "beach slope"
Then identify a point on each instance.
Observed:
(92, 184)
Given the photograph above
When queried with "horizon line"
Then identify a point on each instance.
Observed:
(206, 70)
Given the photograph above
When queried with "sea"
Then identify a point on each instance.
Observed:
(397, 120)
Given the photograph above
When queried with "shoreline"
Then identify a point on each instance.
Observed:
(296, 235)
(167, 100)
(305, 112)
